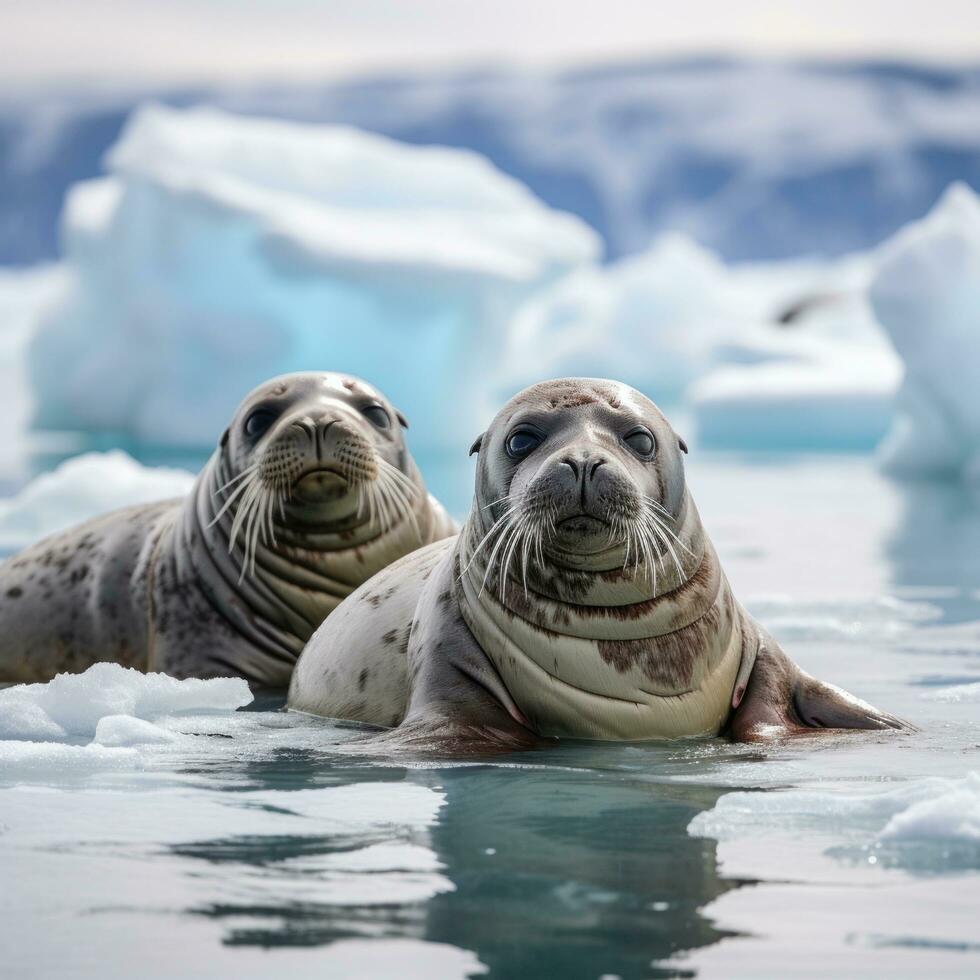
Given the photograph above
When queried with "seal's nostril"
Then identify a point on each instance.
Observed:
(594, 466)
(572, 465)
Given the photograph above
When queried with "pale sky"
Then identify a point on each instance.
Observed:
(157, 41)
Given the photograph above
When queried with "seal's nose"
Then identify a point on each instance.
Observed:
(316, 428)
(584, 466)
(323, 425)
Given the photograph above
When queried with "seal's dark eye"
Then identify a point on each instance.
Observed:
(259, 421)
(641, 441)
(522, 442)
(376, 415)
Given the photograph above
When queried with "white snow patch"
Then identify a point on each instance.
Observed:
(81, 488)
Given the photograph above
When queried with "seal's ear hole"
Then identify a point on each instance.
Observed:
(224, 438)
(682, 444)
(401, 418)
(477, 443)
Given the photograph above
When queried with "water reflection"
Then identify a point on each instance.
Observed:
(574, 862)
(934, 549)
(563, 871)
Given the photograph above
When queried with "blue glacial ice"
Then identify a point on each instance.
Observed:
(926, 294)
(224, 250)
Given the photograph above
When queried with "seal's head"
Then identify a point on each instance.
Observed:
(313, 450)
(585, 473)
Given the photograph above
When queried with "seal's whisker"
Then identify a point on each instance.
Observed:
(501, 541)
(394, 505)
(241, 513)
(248, 471)
(486, 537)
(493, 503)
(520, 529)
(400, 479)
(384, 509)
(402, 500)
(663, 524)
(401, 508)
(224, 507)
(394, 502)
(528, 542)
(665, 541)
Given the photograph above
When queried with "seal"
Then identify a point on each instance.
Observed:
(310, 491)
(582, 598)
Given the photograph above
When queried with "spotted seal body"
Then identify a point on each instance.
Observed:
(582, 598)
(310, 492)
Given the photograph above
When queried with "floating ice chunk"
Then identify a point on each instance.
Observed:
(958, 692)
(72, 705)
(927, 297)
(83, 487)
(827, 380)
(947, 809)
(224, 250)
(953, 814)
(838, 400)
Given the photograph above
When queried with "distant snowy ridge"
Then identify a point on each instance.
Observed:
(755, 159)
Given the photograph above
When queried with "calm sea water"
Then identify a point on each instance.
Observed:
(265, 842)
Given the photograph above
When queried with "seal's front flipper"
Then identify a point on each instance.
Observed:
(820, 705)
(440, 737)
(783, 700)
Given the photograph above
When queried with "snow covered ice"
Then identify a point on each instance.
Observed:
(77, 705)
(225, 250)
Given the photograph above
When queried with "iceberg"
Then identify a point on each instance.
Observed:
(926, 295)
(23, 294)
(223, 250)
(80, 488)
(783, 355)
(652, 320)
